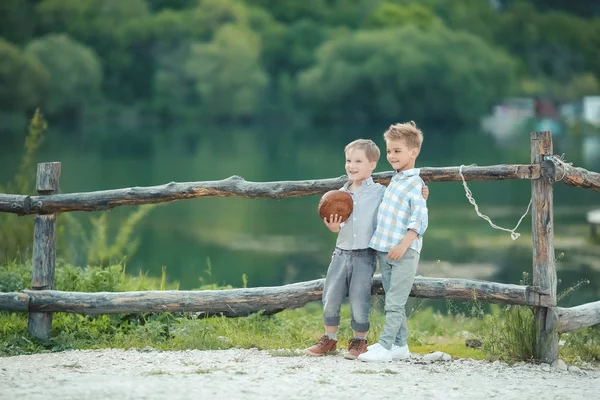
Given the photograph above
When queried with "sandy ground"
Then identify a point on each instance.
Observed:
(254, 374)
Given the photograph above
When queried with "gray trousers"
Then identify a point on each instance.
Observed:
(397, 277)
(350, 274)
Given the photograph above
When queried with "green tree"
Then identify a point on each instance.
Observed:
(474, 16)
(157, 5)
(439, 76)
(389, 15)
(585, 9)
(228, 76)
(210, 15)
(16, 24)
(296, 47)
(23, 81)
(97, 23)
(554, 45)
(293, 10)
(348, 13)
(572, 91)
(175, 93)
(75, 71)
(103, 25)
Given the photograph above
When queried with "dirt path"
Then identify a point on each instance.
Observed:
(254, 374)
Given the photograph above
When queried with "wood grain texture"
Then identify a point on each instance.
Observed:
(14, 302)
(579, 177)
(48, 177)
(234, 186)
(574, 318)
(240, 302)
(256, 299)
(44, 249)
(44, 252)
(544, 270)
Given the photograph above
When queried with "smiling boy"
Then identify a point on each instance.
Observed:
(353, 262)
(402, 219)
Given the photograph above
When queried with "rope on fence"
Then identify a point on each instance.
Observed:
(559, 160)
(513, 234)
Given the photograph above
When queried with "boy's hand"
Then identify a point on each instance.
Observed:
(397, 252)
(334, 222)
(425, 192)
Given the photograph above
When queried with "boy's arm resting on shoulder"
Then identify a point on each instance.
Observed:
(418, 215)
(425, 192)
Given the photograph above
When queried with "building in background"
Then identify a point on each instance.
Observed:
(577, 123)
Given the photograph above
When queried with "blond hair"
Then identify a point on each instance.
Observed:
(368, 146)
(408, 131)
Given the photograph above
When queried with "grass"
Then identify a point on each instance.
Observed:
(281, 334)
(160, 372)
(203, 371)
(506, 333)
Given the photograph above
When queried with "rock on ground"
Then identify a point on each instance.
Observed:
(255, 374)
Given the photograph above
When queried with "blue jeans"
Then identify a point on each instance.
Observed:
(350, 274)
(397, 277)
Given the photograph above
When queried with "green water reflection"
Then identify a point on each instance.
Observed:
(282, 241)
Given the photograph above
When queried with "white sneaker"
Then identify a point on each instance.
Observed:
(373, 346)
(376, 354)
(398, 352)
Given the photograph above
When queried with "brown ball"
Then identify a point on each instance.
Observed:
(336, 202)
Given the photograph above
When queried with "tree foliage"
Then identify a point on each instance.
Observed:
(227, 73)
(438, 76)
(74, 69)
(389, 15)
(437, 61)
(23, 81)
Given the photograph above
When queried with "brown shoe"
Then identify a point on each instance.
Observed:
(323, 346)
(356, 347)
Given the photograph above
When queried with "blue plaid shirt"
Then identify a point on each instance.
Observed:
(402, 208)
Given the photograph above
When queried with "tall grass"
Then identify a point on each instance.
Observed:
(16, 233)
(96, 245)
(506, 333)
(88, 247)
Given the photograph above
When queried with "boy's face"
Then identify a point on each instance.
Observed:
(399, 155)
(358, 166)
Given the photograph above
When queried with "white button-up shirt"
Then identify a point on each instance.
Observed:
(356, 232)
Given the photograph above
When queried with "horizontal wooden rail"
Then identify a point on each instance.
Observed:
(559, 171)
(241, 302)
(572, 319)
(235, 186)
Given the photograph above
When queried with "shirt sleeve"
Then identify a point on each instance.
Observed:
(418, 213)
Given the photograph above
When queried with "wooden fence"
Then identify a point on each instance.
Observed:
(545, 169)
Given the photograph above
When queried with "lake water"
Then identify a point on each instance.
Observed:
(281, 241)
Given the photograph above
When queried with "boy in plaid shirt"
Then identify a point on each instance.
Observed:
(398, 238)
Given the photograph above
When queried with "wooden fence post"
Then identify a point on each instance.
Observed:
(544, 270)
(44, 248)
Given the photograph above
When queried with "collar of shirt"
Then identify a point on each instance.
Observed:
(405, 174)
(366, 182)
